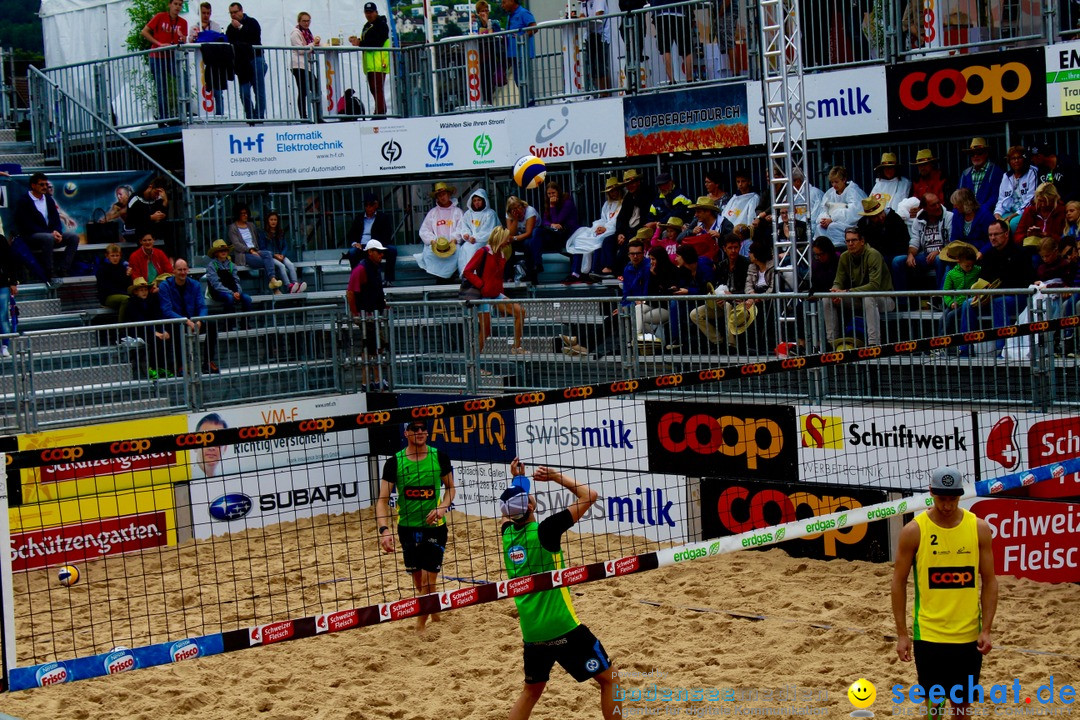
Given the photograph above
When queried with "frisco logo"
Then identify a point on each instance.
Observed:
(459, 598)
(275, 632)
(119, 661)
(51, 674)
(569, 576)
(516, 554)
(183, 650)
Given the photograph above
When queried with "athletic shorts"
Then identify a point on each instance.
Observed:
(578, 651)
(947, 664)
(673, 29)
(422, 548)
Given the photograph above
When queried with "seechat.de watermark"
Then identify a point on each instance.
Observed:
(1013, 693)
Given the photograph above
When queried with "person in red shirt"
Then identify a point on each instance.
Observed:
(485, 273)
(149, 262)
(164, 30)
(928, 178)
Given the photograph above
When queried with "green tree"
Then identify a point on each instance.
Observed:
(452, 30)
(140, 13)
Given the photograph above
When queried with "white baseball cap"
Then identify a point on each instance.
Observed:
(374, 245)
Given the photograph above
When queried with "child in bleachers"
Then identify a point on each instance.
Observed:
(113, 276)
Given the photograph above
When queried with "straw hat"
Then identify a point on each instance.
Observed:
(887, 160)
(630, 176)
(139, 282)
(924, 156)
(440, 186)
(872, 206)
(443, 247)
(706, 203)
(846, 343)
(673, 222)
(948, 253)
(741, 318)
(981, 284)
(217, 246)
(644, 233)
(612, 183)
(978, 143)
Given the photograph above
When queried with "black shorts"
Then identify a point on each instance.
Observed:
(947, 664)
(422, 548)
(673, 29)
(578, 651)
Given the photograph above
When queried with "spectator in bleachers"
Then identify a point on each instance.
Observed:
(148, 212)
(272, 237)
(1017, 188)
(716, 188)
(558, 222)
(1054, 269)
(823, 266)
(961, 277)
(808, 198)
(519, 19)
(929, 234)
(475, 227)
(1003, 264)
(119, 210)
(705, 232)
(158, 358)
(218, 58)
(113, 280)
(668, 201)
(149, 262)
(38, 221)
(223, 281)
(661, 281)
(9, 287)
(492, 55)
(1043, 218)
(523, 222)
(884, 229)
(598, 45)
(673, 27)
(302, 63)
(839, 209)
(633, 214)
(586, 244)
(373, 225)
(982, 177)
(759, 280)
(245, 34)
(668, 237)
(166, 29)
(376, 37)
(1045, 161)
(366, 300)
(970, 221)
(1072, 221)
(860, 269)
(890, 187)
(182, 299)
(437, 234)
(485, 272)
(246, 252)
(928, 177)
(693, 274)
(741, 209)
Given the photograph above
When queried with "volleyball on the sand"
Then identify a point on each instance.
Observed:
(529, 171)
(68, 575)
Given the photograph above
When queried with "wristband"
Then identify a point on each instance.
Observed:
(383, 528)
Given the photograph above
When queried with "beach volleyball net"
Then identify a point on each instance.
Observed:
(218, 531)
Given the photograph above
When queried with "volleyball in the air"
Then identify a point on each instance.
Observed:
(68, 575)
(70, 189)
(529, 172)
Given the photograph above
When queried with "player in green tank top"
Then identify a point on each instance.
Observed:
(419, 472)
(549, 626)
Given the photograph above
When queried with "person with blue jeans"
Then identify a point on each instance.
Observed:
(245, 34)
(930, 231)
(165, 30)
(519, 18)
(1004, 263)
(694, 273)
(8, 288)
(223, 279)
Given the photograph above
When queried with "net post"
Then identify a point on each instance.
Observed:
(7, 598)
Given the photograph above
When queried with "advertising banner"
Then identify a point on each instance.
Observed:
(435, 145)
(838, 104)
(730, 507)
(967, 89)
(1033, 539)
(231, 155)
(692, 119)
(1063, 79)
(609, 432)
(885, 447)
(569, 133)
(71, 477)
(78, 196)
(705, 439)
(252, 499)
(1012, 442)
(262, 449)
(77, 530)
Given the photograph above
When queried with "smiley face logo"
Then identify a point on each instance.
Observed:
(862, 694)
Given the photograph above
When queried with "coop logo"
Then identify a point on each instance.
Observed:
(668, 380)
(577, 392)
(183, 650)
(438, 148)
(259, 431)
(239, 145)
(129, 446)
(230, 507)
(429, 411)
(482, 146)
(372, 418)
(972, 85)
(479, 405)
(68, 453)
(119, 661)
(707, 375)
(626, 386)
(51, 674)
(194, 439)
(752, 438)
(529, 398)
(419, 493)
(516, 554)
(951, 578)
(320, 425)
(822, 432)
(391, 151)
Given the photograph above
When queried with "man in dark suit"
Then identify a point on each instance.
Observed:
(38, 221)
(372, 225)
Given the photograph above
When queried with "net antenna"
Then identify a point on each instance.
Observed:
(785, 134)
